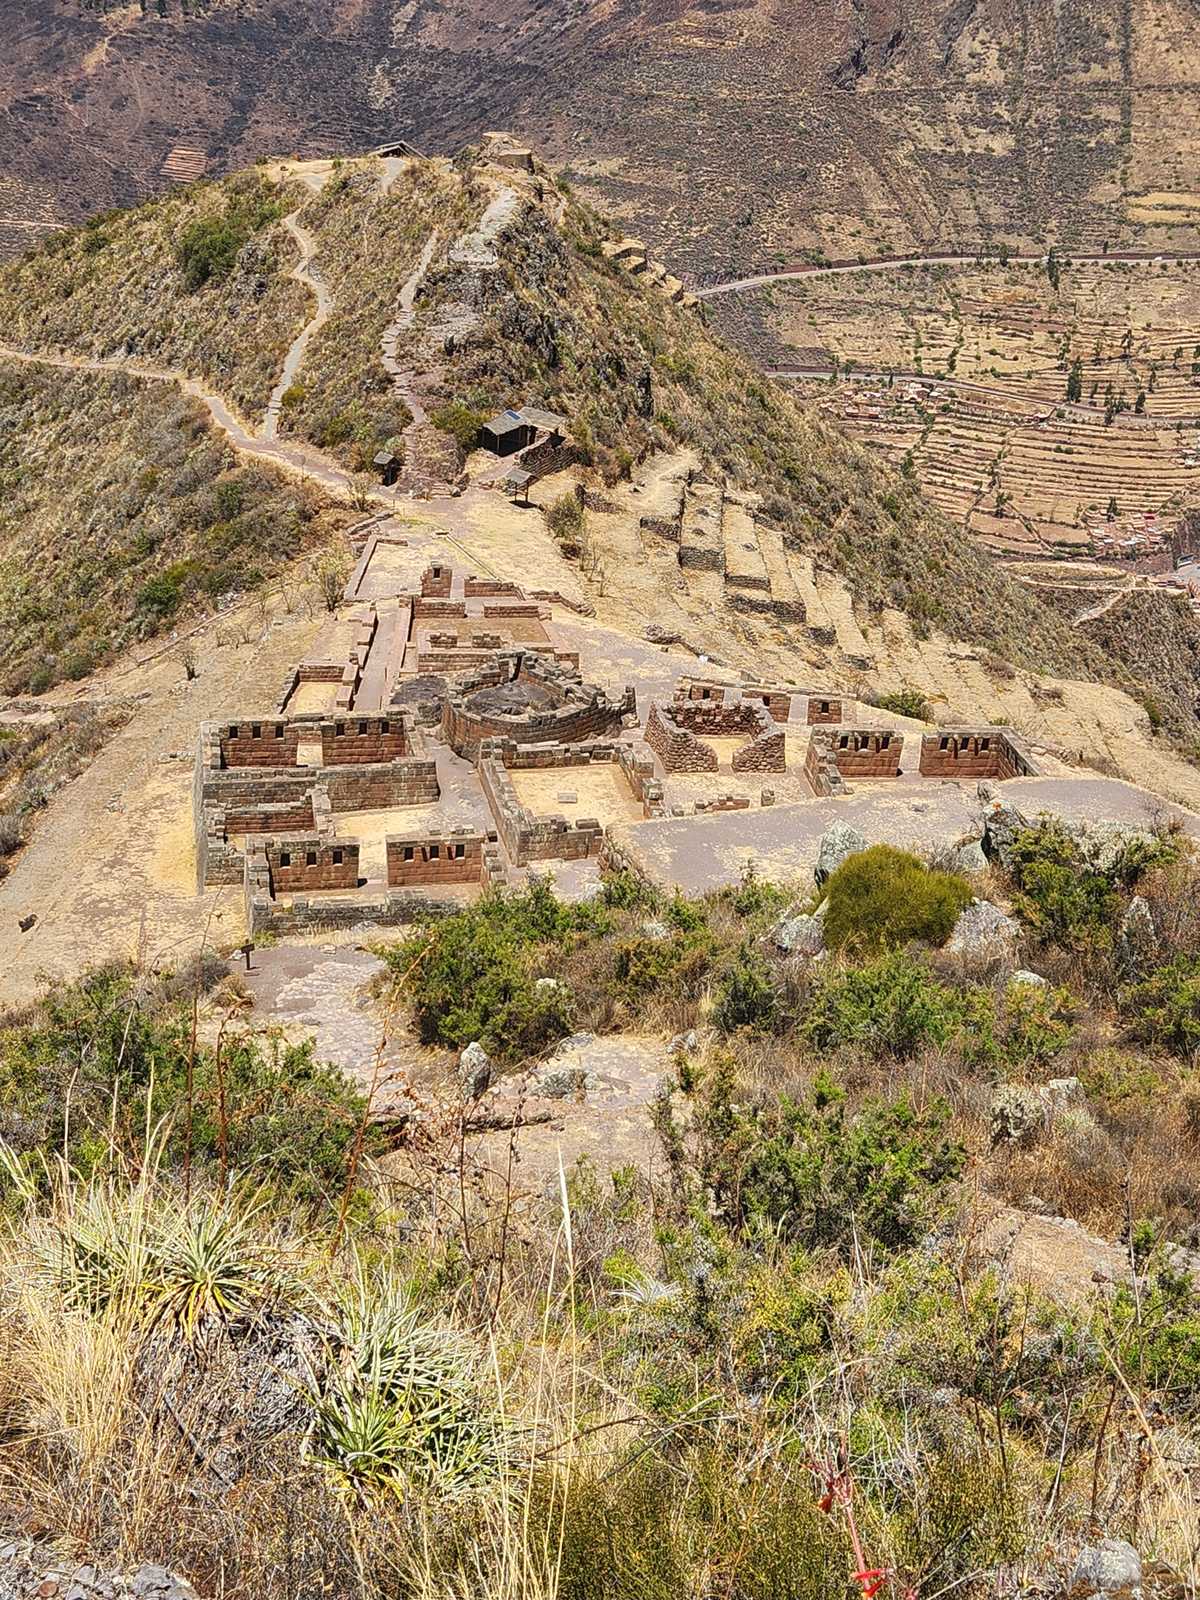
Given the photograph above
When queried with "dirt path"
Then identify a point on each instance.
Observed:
(306, 273)
(402, 378)
(893, 263)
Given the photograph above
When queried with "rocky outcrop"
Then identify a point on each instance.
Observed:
(31, 1571)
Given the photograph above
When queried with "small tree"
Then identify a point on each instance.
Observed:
(1075, 381)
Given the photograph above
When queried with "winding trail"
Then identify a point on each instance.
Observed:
(306, 273)
(892, 263)
(402, 378)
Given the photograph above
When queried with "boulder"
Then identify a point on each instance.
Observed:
(1017, 1112)
(561, 1080)
(474, 1070)
(801, 935)
(984, 932)
(1109, 1567)
(969, 857)
(1032, 980)
(838, 843)
(1002, 824)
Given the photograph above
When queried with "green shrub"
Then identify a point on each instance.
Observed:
(810, 1173)
(1165, 1009)
(1063, 899)
(161, 596)
(884, 897)
(892, 1006)
(117, 1040)
(746, 997)
(565, 518)
(208, 249)
(473, 975)
(461, 422)
(905, 703)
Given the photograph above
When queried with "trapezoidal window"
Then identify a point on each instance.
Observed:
(433, 853)
(310, 858)
(256, 731)
(985, 744)
(362, 726)
(408, 852)
(279, 730)
(943, 744)
(337, 858)
(285, 858)
(459, 852)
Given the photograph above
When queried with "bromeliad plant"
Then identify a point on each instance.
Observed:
(400, 1412)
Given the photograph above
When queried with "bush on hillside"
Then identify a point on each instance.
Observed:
(473, 975)
(1165, 1008)
(1064, 899)
(883, 897)
(892, 1006)
(462, 422)
(105, 1060)
(905, 703)
(812, 1173)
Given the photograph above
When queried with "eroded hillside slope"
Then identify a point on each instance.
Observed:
(737, 133)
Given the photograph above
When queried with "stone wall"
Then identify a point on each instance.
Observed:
(300, 862)
(676, 733)
(861, 752)
(266, 742)
(389, 909)
(676, 747)
(527, 837)
(562, 710)
(637, 767)
(363, 740)
(821, 769)
(823, 709)
(458, 856)
(971, 753)
(436, 582)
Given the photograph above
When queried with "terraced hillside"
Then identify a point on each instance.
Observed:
(733, 135)
(1045, 417)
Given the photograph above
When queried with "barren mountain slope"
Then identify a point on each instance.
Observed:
(735, 134)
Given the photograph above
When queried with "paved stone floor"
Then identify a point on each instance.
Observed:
(781, 841)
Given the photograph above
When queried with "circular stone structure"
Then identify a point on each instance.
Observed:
(529, 699)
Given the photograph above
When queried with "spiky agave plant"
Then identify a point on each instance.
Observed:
(400, 1411)
(98, 1248)
(212, 1266)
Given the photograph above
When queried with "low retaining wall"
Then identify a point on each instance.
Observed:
(390, 909)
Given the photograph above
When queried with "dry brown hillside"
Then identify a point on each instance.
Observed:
(735, 134)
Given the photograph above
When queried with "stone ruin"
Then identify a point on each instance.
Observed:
(527, 698)
(478, 695)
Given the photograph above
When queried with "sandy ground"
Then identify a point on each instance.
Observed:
(111, 871)
(600, 791)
